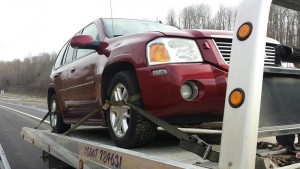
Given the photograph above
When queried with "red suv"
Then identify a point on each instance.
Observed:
(180, 74)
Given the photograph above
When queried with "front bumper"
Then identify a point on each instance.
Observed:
(161, 94)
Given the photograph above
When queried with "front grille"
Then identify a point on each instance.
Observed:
(224, 46)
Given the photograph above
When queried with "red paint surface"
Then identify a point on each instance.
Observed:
(161, 94)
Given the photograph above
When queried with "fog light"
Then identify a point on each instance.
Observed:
(186, 91)
(189, 90)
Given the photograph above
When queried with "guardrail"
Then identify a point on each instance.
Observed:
(3, 160)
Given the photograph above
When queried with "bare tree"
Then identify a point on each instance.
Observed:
(28, 76)
(283, 25)
(196, 17)
(225, 18)
(202, 16)
(171, 18)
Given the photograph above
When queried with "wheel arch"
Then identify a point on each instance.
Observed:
(108, 75)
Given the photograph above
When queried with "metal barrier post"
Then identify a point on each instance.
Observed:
(241, 118)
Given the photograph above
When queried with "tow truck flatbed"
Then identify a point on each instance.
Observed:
(94, 148)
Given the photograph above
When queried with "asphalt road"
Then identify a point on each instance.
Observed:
(20, 154)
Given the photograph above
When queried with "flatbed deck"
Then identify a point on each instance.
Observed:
(93, 146)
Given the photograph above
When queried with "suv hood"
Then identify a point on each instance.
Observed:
(198, 33)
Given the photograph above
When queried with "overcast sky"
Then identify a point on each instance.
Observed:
(30, 27)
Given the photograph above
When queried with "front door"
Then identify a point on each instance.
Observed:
(83, 92)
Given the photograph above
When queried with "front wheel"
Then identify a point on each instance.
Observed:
(57, 124)
(127, 128)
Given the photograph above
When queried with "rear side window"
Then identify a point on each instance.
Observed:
(92, 31)
(69, 55)
(58, 61)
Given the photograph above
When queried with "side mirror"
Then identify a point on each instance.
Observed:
(84, 42)
(87, 42)
(288, 54)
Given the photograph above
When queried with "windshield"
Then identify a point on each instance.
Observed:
(129, 26)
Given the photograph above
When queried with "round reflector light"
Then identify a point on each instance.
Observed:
(80, 164)
(236, 98)
(244, 31)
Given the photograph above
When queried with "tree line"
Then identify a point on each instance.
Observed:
(283, 24)
(31, 76)
(200, 17)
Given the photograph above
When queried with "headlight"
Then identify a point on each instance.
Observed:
(173, 50)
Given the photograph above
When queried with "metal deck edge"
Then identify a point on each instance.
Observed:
(72, 150)
(3, 160)
(278, 130)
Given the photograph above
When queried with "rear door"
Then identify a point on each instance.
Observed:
(60, 76)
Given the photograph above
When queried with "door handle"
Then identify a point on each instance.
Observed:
(73, 70)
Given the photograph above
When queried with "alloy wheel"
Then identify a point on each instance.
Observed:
(119, 115)
(53, 118)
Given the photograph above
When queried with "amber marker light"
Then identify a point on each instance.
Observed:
(159, 53)
(49, 149)
(244, 31)
(236, 98)
(80, 164)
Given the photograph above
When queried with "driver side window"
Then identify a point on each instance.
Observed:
(92, 31)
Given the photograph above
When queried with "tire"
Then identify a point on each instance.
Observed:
(57, 124)
(127, 128)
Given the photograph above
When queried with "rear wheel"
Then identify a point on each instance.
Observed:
(56, 121)
(127, 128)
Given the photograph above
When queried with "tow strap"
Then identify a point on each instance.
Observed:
(48, 114)
(190, 143)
